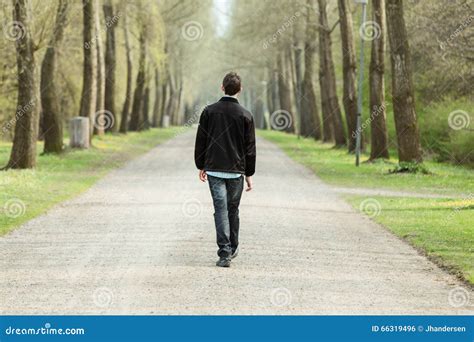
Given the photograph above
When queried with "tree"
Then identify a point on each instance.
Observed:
(52, 120)
(23, 153)
(378, 127)
(157, 104)
(137, 108)
(99, 119)
(349, 94)
(409, 149)
(310, 121)
(89, 83)
(128, 93)
(330, 102)
(285, 89)
(110, 63)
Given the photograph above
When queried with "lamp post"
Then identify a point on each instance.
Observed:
(360, 83)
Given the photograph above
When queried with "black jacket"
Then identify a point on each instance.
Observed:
(225, 139)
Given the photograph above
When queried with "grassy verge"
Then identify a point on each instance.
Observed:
(26, 194)
(440, 228)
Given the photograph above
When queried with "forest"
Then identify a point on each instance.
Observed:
(134, 65)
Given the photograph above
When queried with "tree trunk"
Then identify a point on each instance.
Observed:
(100, 119)
(158, 101)
(283, 118)
(137, 108)
(310, 121)
(52, 118)
(23, 154)
(349, 72)
(110, 65)
(403, 96)
(328, 77)
(128, 94)
(89, 83)
(145, 124)
(378, 127)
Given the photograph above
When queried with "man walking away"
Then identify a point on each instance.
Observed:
(224, 153)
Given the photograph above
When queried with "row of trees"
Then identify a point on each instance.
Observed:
(150, 40)
(292, 47)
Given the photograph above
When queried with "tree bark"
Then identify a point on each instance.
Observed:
(145, 124)
(89, 83)
(158, 101)
(110, 64)
(378, 127)
(349, 72)
(310, 121)
(99, 120)
(403, 96)
(52, 118)
(128, 93)
(23, 154)
(328, 78)
(284, 90)
(137, 108)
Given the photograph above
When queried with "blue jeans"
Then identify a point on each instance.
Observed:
(226, 194)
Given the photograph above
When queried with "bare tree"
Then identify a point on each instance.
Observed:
(89, 83)
(52, 119)
(331, 108)
(23, 154)
(403, 96)
(378, 126)
(349, 94)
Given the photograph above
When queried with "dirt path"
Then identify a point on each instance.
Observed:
(141, 241)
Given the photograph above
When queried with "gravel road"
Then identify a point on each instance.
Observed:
(141, 241)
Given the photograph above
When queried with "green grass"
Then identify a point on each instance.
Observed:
(440, 228)
(25, 194)
(336, 166)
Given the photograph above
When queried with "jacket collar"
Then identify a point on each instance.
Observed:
(229, 99)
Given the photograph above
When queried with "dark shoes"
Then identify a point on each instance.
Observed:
(223, 262)
(236, 252)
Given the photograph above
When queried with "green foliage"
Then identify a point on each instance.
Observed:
(410, 167)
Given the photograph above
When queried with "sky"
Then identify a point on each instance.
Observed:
(221, 11)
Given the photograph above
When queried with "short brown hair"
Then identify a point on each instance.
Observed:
(231, 83)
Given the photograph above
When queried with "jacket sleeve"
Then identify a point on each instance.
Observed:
(201, 141)
(250, 148)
